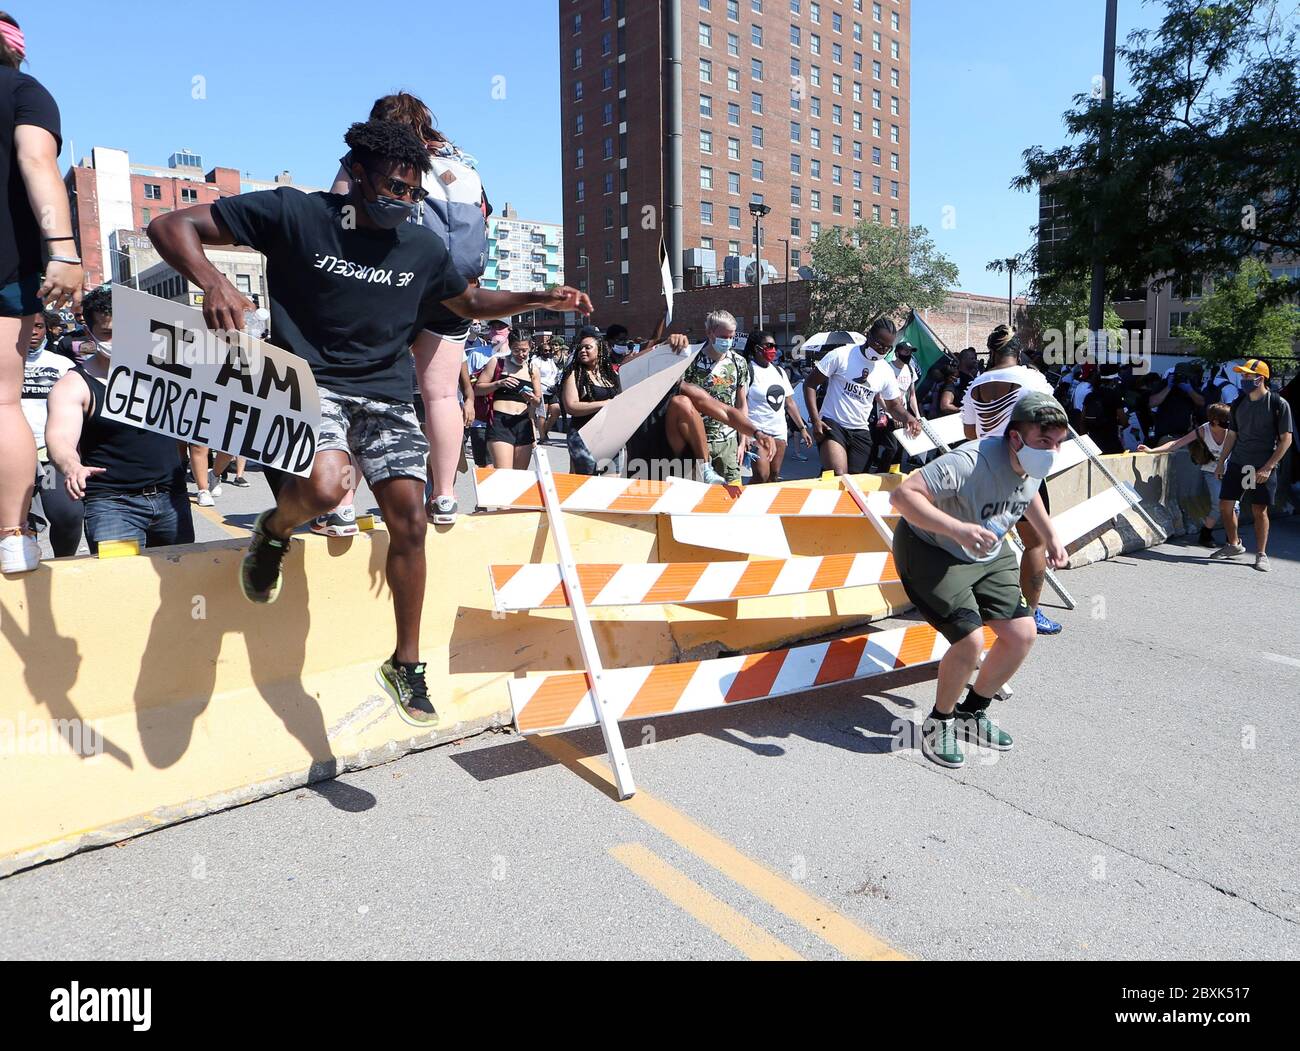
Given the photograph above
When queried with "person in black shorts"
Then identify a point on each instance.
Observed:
(350, 280)
(514, 390)
(852, 378)
(1259, 435)
(961, 575)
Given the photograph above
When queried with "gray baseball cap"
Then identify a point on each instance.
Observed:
(1043, 409)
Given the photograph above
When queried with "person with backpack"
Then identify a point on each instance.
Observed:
(457, 210)
(1204, 444)
(1259, 435)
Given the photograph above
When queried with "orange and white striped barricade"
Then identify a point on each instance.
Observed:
(519, 588)
(602, 700)
(564, 701)
(516, 490)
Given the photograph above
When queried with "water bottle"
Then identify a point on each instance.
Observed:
(255, 322)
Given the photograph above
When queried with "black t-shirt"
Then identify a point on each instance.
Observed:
(349, 301)
(1174, 415)
(133, 459)
(23, 101)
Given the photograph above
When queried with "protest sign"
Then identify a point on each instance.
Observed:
(171, 375)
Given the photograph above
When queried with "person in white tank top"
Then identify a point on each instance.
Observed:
(1212, 433)
(985, 412)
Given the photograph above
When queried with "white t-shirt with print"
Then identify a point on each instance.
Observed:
(853, 382)
(41, 372)
(767, 395)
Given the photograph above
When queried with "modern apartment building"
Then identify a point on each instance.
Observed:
(802, 106)
(523, 255)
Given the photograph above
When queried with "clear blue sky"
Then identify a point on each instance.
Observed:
(283, 80)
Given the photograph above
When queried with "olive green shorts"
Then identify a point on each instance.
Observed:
(726, 459)
(953, 596)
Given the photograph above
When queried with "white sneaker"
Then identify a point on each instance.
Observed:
(214, 484)
(342, 521)
(19, 553)
(1229, 551)
(205, 499)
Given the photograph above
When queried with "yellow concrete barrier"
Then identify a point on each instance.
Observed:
(189, 699)
(143, 691)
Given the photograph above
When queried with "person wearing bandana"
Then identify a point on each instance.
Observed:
(956, 567)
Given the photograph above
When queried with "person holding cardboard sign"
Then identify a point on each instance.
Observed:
(351, 280)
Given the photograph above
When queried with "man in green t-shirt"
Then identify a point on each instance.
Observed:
(959, 573)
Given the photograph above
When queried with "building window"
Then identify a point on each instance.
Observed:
(706, 141)
(189, 196)
(578, 158)
(609, 288)
(733, 80)
(152, 192)
(756, 170)
(733, 217)
(796, 225)
(706, 106)
(706, 213)
(706, 40)
(706, 178)
(733, 114)
(706, 71)
(733, 182)
(796, 195)
(733, 149)
(582, 190)
(733, 45)
(756, 136)
(756, 35)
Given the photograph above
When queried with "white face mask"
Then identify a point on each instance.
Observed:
(1037, 463)
(105, 349)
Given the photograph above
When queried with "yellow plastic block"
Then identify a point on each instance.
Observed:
(118, 548)
(365, 523)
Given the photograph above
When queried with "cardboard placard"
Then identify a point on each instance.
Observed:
(171, 375)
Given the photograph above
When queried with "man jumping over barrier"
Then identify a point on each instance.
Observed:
(351, 282)
(960, 574)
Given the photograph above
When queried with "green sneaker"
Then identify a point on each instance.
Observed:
(260, 574)
(405, 684)
(980, 729)
(939, 743)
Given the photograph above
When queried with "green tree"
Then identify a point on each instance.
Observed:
(871, 270)
(1204, 168)
(1063, 308)
(1243, 317)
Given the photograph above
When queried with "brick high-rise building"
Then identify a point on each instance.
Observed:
(801, 105)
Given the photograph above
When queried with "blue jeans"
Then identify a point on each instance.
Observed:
(159, 520)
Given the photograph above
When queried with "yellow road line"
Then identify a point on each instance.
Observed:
(215, 517)
(830, 925)
(711, 911)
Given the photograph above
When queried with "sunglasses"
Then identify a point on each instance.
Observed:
(397, 188)
(769, 346)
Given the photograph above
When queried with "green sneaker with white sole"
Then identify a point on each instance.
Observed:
(978, 728)
(939, 743)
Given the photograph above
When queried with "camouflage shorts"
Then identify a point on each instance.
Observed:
(384, 437)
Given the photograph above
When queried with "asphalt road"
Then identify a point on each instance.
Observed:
(1147, 811)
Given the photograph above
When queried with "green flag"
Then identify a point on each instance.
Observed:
(929, 347)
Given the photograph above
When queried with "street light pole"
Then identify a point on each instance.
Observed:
(1011, 275)
(786, 241)
(758, 211)
(1097, 308)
